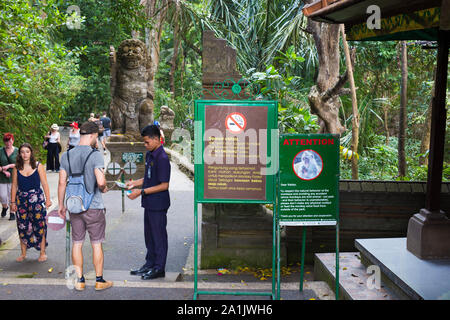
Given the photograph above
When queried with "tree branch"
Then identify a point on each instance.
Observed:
(190, 45)
(333, 91)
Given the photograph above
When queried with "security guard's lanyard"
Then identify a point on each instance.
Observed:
(149, 170)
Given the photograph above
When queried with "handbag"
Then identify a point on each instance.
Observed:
(45, 143)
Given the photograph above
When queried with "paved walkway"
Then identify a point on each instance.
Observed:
(124, 249)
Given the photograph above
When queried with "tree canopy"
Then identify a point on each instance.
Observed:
(54, 67)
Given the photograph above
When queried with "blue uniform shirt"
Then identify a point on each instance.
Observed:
(157, 170)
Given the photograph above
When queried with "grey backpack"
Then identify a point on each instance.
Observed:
(77, 199)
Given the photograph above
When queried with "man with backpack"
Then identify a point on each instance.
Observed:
(81, 182)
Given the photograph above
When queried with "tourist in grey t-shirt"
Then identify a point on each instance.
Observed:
(77, 158)
(92, 220)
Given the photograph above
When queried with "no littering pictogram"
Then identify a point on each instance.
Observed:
(235, 122)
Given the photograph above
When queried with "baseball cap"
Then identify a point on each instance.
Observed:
(89, 127)
(74, 124)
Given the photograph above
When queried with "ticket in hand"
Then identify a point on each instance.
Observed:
(121, 185)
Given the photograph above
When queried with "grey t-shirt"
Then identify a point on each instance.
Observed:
(77, 157)
(74, 139)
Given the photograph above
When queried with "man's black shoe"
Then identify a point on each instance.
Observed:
(139, 272)
(153, 274)
(4, 212)
(12, 216)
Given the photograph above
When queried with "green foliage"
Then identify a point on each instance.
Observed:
(380, 162)
(38, 76)
(50, 72)
(104, 23)
(285, 87)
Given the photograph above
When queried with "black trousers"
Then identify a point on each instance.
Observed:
(53, 156)
(155, 233)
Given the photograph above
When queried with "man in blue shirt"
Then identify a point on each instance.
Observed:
(155, 200)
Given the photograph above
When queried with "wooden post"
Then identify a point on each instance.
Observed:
(355, 119)
(438, 119)
(429, 231)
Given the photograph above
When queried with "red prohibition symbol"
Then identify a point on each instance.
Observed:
(235, 122)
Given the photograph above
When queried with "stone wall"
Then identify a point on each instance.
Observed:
(368, 209)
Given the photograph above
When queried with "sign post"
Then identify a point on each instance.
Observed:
(308, 193)
(235, 162)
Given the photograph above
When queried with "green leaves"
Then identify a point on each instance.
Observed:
(37, 75)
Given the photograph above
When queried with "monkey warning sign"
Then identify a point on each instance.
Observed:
(309, 179)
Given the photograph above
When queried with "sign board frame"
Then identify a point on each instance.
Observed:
(326, 146)
(199, 161)
(311, 199)
(271, 125)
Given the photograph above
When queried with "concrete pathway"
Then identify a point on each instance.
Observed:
(125, 249)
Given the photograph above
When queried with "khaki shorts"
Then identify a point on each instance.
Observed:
(93, 221)
(5, 193)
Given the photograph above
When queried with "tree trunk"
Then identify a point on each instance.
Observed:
(402, 120)
(183, 69)
(176, 44)
(386, 126)
(355, 119)
(155, 10)
(425, 144)
(324, 96)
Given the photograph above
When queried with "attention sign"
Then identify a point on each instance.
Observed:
(309, 179)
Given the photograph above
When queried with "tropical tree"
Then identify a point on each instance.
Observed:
(38, 75)
(103, 23)
(403, 116)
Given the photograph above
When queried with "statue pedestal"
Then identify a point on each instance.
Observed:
(122, 152)
(429, 235)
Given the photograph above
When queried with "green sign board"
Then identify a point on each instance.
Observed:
(136, 157)
(234, 160)
(308, 192)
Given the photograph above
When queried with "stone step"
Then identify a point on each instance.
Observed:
(354, 281)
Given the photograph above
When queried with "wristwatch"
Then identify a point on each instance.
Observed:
(142, 192)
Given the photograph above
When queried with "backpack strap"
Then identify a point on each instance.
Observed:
(68, 160)
(84, 165)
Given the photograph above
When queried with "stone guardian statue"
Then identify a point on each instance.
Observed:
(132, 105)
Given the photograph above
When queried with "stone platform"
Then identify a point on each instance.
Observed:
(410, 276)
(403, 276)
